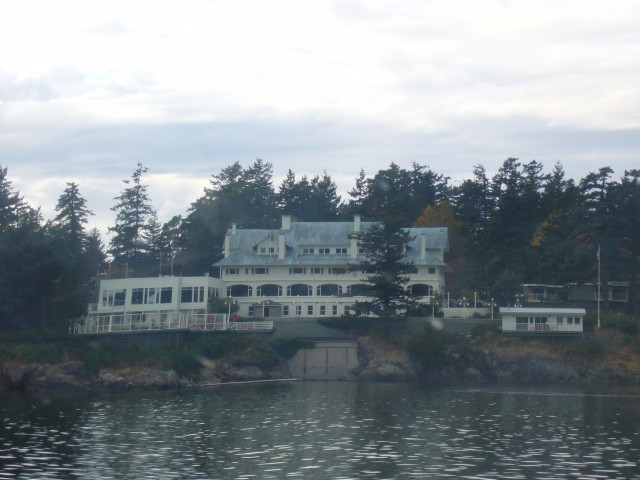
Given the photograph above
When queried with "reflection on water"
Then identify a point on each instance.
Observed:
(321, 430)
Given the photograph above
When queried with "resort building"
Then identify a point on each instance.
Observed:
(542, 321)
(304, 268)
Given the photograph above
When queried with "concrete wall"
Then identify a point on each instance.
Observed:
(328, 360)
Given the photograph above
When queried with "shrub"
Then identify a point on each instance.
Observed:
(288, 347)
(429, 348)
(485, 328)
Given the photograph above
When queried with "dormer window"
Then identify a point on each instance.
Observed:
(324, 251)
(308, 251)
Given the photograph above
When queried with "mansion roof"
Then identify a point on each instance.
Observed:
(243, 244)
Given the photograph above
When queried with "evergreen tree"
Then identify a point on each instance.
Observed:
(134, 212)
(72, 216)
(11, 203)
(383, 248)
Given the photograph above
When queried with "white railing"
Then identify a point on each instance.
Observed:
(161, 321)
(543, 327)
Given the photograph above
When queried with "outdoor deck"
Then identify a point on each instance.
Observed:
(166, 321)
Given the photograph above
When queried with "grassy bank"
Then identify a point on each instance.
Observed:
(197, 350)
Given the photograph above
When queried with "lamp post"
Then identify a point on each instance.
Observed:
(475, 300)
(492, 309)
(464, 307)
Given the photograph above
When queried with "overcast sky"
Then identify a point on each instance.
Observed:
(90, 88)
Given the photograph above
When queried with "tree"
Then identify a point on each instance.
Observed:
(134, 213)
(11, 203)
(316, 200)
(626, 228)
(72, 216)
(442, 214)
(383, 248)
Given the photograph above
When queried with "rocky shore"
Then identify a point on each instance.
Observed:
(485, 360)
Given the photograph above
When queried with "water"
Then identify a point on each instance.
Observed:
(322, 430)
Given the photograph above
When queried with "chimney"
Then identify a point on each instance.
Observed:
(281, 245)
(227, 239)
(286, 222)
(354, 241)
(423, 246)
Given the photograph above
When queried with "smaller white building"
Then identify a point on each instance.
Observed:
(521, 321)
(154, 303)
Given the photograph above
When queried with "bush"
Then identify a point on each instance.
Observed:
(288, 347)
(485, 328)
(350, 324)
(429, 348)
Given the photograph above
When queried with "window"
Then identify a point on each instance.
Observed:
(577, 321)
(260, 271)
(341, 250)
(285, 310)
(146, 296)
(324, 251)
(432, 270)
(263, 249)
(113, 298)
(309, 309)
(232, 271)
(317, 270)
(334, 310)
(569, 321)
(269, 290)
(192, 295)
(308, 251)
(137, 296)
(338, 270)
(299, 290)
(298, 310)
(560, 320)
(251, 310)
(323, 310)
(297, 271)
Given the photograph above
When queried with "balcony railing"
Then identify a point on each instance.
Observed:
(162, 321)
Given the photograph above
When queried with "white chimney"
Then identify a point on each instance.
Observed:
(281, 245)
(286, 222)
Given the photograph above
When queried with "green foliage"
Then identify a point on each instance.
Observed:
(289, 346)
(485, 328)
(221, 305)
(349, 324)
(133, 227)
(256, 353)
(430, 348)
(383, 248)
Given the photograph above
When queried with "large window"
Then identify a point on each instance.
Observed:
(239, 291)
(299, 290)
(422, 290)
(145, 296)
(113, 298)
(329, 290)
(269, 290)
(297, 271)
(166, 294)
(192, 295)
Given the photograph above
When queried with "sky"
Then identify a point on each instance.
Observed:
(90, 88)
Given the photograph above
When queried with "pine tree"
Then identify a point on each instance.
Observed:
(134, 212)
(72, 216)
(383, 248)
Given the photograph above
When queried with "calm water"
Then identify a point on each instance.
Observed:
(322, 430)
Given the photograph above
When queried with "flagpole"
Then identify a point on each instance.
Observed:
(598, 286)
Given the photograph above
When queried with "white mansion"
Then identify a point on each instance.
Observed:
(301, 269)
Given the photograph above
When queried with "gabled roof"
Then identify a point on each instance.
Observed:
(333, 235)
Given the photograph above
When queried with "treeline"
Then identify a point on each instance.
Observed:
(519, 225)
